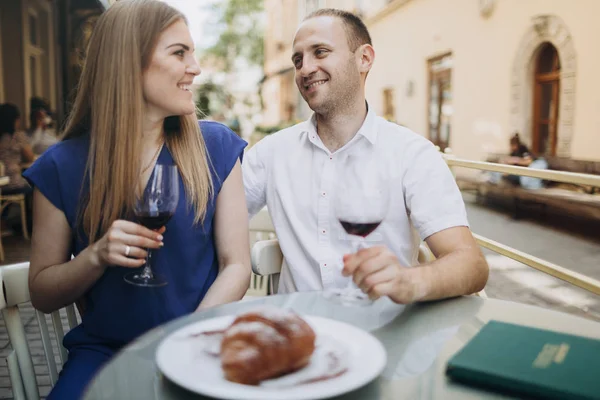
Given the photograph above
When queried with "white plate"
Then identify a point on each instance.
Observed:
(183, 360)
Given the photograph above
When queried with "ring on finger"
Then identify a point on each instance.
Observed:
(127, 250)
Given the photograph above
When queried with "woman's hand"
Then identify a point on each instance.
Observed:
(124, 243)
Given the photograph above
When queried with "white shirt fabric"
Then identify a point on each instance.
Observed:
(41, 139)
(294, 174)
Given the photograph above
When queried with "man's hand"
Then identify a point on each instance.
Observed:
(378, 272)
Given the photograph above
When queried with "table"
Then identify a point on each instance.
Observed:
(419, 340)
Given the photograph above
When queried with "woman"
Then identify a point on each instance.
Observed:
(14, 150)
(134, 109)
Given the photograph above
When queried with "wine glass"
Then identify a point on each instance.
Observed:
(153, 210)
(361, 203)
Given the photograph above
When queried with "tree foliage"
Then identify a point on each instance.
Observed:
(238, 24)
(208, 94)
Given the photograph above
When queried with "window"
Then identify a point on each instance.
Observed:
(38, 47)
(34, 38)
(279, 22)
(389, 110)
(545, 101)
(1, 66)
(440, 108)
(34, 76)
(287, 90)
(36, 55)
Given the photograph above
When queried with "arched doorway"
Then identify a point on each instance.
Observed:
(544, 29)
(545, 100)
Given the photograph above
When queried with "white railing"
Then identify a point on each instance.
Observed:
(574, 278)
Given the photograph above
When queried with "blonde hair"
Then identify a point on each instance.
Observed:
(109, 105)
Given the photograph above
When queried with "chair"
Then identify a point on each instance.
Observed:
(261, 228)
(5, 201)
(267, 260)
(15, 290)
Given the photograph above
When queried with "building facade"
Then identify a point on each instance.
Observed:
(468, 74)
(42, 43)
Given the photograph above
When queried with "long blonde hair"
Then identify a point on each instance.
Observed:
(109, 105)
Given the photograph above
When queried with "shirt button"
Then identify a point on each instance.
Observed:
(323, 230)
(323, 194)
(330, 157)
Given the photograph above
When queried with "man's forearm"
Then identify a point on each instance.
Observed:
(459, 273)
(231, 285)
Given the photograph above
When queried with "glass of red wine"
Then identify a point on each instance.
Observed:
(153, 210)
(360, 204)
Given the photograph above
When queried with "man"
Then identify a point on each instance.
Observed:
(293, 172)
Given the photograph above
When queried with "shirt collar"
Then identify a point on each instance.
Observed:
(368, 129)
(369, 126)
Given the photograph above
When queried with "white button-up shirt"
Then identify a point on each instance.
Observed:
(294, 174)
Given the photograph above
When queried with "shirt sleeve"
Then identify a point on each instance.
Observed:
(44, 176)
(432, 197)
(224, 149)
(233, 150)
(254, 169)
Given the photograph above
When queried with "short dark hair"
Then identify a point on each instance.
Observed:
(9, 114)
(515, 139)
(356, 30)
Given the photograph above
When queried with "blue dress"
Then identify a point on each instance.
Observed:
(117, 312)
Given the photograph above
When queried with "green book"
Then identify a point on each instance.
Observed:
(529, 362)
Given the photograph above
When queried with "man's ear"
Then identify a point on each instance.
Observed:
(366, 52)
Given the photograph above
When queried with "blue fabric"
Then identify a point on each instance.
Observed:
(117, 312)
(83, 363)
(529, 182)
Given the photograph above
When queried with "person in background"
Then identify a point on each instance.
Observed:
(134, 109)
(519, 153)
(39, 134)
(519, 156)
(14, 151)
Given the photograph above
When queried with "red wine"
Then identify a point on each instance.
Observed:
(154, 221)
(359, 228)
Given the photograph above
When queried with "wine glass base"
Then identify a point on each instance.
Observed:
(348, 297)
(137, 279)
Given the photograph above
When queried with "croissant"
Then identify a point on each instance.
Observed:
(265, 344)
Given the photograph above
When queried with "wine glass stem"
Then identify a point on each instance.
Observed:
(147, 271)
(358, 244)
